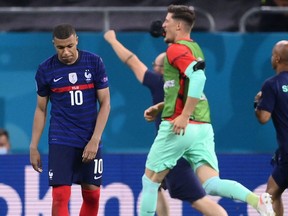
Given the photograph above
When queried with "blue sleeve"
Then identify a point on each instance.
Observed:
(42, 87)
(268, 99)
(101, 76)
(155, 83)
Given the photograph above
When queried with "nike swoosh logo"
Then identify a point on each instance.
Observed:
(56, 80)
(95, 177)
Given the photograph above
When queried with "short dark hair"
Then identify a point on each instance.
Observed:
(63, 31)
(183, 12)
(4, 132)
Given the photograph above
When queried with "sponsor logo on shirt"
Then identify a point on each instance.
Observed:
(57, 79)
(169, 84)
(285, 88)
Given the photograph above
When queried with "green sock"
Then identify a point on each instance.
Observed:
(149, 197)
(228, 188)
(252, 199)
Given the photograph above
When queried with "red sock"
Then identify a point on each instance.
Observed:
(61, 196)
(90, 203)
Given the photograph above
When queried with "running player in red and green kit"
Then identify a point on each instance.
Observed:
(186, 130)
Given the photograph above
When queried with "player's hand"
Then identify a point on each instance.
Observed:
(90, 152)
(110, 35)
(257, 99)
(35, 160)
(151, 113)
(258, 96)
(179, 124)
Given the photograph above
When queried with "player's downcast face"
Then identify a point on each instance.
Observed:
(67, 49)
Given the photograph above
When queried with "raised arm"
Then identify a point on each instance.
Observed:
(126, 56)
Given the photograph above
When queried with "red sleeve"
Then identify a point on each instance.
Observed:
(180, 56)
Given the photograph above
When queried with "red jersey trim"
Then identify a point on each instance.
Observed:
(70, 88)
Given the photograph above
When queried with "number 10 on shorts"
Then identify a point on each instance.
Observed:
(98, 168)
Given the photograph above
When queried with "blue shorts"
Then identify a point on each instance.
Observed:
(182, 183)
(66, 167)
(280, 169)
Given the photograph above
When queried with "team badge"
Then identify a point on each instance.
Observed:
(50, 173)
(73, 78)
(87, 75)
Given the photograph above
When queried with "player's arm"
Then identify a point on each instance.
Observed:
(103, 114)
(263, 116)
(126, 56)
(91, 148)
(197, 80)
(38, 127)
(151, 113)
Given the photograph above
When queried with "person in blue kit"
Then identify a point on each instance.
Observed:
(76, 84)
(272, 102)
(181, 181)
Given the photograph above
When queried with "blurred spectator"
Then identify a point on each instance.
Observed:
(277, 22)
(4, 142)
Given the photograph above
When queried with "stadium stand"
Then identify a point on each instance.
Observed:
(121, 16)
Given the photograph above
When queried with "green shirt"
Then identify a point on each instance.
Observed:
(176, 87)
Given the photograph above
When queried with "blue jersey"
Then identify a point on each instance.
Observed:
(154, 82)
(275, 100)
(72, 92)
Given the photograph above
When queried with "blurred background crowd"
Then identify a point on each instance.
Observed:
(226, 15)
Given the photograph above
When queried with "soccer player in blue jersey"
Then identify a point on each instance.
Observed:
(272, 102)
(181, 181)
(76, 84)
(185, 129)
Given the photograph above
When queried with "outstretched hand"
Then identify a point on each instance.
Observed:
(109, 36)
(151, 113)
